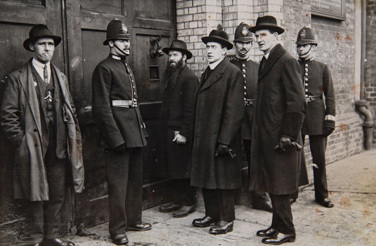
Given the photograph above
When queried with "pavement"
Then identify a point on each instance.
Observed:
(352, 221)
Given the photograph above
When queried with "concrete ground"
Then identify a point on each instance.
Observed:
(352, 221)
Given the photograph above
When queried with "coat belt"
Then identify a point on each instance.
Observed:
(124, 103)
(310, 99)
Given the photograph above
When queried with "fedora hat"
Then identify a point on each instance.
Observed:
(218, 36)
(242, 34)
(116, 30)
(267, 22)
(178, 45)
(37, 32)
(306, 36)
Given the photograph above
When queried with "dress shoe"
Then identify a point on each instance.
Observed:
(140, 227)
(184, 211)
(120, 239)
(222, 227)
(325, 202)
(270, 232)
(56, 242)
(266, 206)
(169, 207)
(204, 222)
(279, 238)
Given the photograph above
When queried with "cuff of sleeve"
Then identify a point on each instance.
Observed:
(330, 117)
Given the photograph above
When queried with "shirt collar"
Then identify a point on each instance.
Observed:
(38, 64)
(213, 65)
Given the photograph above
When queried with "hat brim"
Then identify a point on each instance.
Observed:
(29, 41)
(275, 28)
(187, 52)
(222, 41)
(116, 38)
(304, 42)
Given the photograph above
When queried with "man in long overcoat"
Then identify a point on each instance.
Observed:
(319, 120)
(116, 113)
(176, 118)
(278, 118)
(39, 118)
(216, 151)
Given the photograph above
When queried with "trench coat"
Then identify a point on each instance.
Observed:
(279, 111)
(177, 115)
(218, 114)
(21, 122)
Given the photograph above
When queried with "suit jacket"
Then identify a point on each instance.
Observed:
(22, 124)
(279, 111)
(219, 113)
(118, 125)
(317, 82)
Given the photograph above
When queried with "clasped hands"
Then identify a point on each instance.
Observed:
(286, 143)
(223, 149)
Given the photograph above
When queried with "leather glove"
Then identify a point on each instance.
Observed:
(223, 149)
(119, 149)
(329, 126)
(286, 143)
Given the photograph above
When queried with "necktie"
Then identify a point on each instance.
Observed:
(263, 62)
(45, 74)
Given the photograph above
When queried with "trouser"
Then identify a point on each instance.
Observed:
(183, 193)
(318, 147)
(282, 214)
(219, 204)
(256, 196)
(125, 179)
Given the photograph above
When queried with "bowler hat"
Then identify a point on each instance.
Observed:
(218, 36)
(305, 36)
(242, 34)
(179, 45)
(116, 30)
(267, 22)
(37, 32)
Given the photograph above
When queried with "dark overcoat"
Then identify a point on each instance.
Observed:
(279, 111)
(249, 71)
(218, 117)
(113, 80)
(177, 115)
(22, 123)
(317, 82)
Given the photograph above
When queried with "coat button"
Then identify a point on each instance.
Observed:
(35, 130)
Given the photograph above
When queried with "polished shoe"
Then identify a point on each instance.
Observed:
(56, 242)
(325, 202)
(169, 207)
(266, 206)
(184, 211)
(279, 238)
(120, 239)
(270, 232)
(222, 227)
(204, 222)
(140, 227)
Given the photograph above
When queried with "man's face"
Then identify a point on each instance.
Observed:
(242, 48)
(43, 49)
(266, 39)
(121, 47)
(174, 57)
(215, 52)
(303, 49)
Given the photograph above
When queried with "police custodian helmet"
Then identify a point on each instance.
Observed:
(116, 30)
(242, 34)
(305, 36)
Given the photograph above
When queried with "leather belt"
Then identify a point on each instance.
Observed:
(248, 101)
(124, 103)
(310, 99)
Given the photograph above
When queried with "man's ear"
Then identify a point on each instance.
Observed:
(111, 43)
(31, 47)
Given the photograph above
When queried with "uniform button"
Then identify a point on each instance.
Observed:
(244, 75)
(306, 79)
(306, 65)
(306, 74)
(244, 70)
(245, 93)
(306, 84)
(243, 64)
(245, 87)
(306, 90)
(306, 95)
(306, 69)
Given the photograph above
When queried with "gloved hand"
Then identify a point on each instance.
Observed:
(286, 143)
(223, 149)
(119, 149)
(179, 139)
(329, 126)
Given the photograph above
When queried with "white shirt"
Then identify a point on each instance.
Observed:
(40, 68)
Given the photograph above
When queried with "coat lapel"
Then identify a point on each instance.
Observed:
(215, 75)
(274, 56)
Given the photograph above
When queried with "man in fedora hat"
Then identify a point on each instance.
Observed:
(39, 118)
(116, 113)
(243, 43)
(175, 131)
(216, 152)
(319, 120)
(278, 118)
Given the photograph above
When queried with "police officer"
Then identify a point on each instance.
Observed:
(243, 43)
(320, 111)
(116, 112)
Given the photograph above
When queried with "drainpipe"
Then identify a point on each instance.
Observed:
(362, 106)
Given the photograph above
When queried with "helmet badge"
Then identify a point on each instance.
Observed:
(244, 31)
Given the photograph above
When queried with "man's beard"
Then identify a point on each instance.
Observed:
(172, 73)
